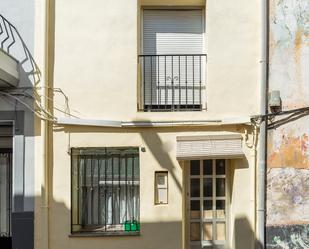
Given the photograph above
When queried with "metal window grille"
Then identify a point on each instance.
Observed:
(105, 188)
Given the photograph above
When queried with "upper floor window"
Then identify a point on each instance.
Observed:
(105, 190)
(173, 60)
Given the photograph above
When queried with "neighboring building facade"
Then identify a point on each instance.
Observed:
(288, 163)
(17, 132)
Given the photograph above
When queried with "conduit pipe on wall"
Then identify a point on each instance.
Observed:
(127, 124)
(147, 123)
(168, 123)
(44, 132)
(263, 127)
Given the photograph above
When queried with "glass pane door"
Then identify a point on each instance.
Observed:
(5, 193)
(207, 190)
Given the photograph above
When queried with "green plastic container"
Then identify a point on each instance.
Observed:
(127, 226)
(131, 226)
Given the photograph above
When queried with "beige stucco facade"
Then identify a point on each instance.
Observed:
(92, 57)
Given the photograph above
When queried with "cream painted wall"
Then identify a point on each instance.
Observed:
(157, 222)
(96, 58)
(161, 226)
(96, 55)
(241, 217)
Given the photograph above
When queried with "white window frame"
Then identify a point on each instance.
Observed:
(204, 96)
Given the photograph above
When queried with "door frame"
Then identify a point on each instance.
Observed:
(186, 196)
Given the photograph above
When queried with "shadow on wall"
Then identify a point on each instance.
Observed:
(158, 148)
(23, 226)
(243, 234)
(160, 151)
(153, 235)
(161, 234)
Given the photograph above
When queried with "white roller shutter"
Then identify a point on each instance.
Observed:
(173, 32)
(173, 79)
(225, 146)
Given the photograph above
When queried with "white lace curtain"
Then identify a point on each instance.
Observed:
(107, 189)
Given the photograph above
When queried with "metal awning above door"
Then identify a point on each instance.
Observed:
(211, 146)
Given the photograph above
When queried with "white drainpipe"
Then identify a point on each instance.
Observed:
(263, 128)
(44, 134)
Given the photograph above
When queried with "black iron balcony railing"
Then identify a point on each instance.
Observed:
(173, 82)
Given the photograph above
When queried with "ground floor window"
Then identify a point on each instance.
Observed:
(207, 204)
(105, 190)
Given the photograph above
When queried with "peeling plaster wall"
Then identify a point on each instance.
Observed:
(288, 151)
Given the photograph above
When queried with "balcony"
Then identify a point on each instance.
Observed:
(9, 72)
(173, 82)
(16, 61)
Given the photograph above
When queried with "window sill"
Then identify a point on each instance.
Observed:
(104, 234)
